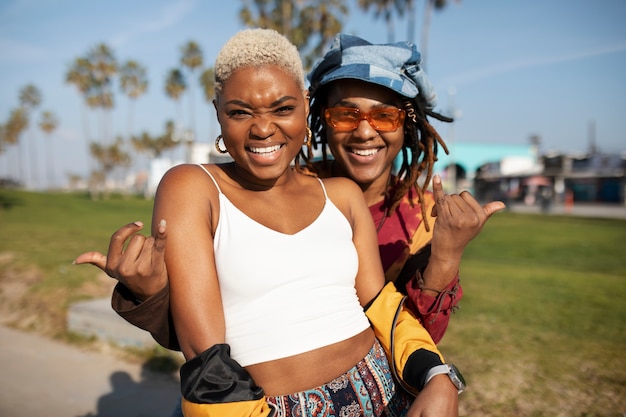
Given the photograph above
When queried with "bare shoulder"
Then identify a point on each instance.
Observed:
(187, 184)
(340, 185)
(185, 177)
(344, 193)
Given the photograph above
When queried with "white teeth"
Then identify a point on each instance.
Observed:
(365, 152)
(269, 149)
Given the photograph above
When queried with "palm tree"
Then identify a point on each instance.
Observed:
(175, 86)
(109, 157)
(385, 9)
(134, 83)
(3, 139)
(309, 24)
(93, 77)
(30, 98)
(410, 12)
(207, 81)
(102, 68)
(79, 75)
(155, 146)
(191, 59)
(13, 129)
(429, 6)
(48, 124)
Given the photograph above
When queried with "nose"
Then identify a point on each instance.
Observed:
(262, 127)
(364, 130)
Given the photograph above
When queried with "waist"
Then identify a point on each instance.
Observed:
(311, 369)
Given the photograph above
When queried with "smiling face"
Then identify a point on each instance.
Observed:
(364, 154)
(262, 112)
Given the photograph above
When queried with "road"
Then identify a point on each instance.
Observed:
(43, 377)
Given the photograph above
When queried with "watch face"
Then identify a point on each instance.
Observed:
(457, 378)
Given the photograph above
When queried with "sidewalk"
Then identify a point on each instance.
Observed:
(615, 211)
(42, 377)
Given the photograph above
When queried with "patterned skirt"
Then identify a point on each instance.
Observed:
(366, 390)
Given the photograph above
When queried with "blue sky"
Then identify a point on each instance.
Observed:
(511, 69)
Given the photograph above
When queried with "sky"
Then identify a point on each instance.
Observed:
(507, 69)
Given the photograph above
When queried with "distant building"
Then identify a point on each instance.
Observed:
(494, 172)
(465, 161)
(593, 177)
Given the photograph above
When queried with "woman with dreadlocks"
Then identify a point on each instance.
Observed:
(370, 105)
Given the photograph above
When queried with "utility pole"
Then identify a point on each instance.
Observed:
(454, 113)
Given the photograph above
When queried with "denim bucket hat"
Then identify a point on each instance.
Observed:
(392, 65)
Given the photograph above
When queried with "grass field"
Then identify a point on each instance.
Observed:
(541, 330)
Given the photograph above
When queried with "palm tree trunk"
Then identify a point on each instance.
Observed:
(34, 165)
(51, 177)
(21, 161)
(390, 28)
(428, 13)
(410, 9)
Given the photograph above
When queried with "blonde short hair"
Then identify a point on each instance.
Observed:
(256, 47)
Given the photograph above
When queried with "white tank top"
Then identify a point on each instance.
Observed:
(286, 294)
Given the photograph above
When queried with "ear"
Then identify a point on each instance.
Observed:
(217, 112)
(307, 102)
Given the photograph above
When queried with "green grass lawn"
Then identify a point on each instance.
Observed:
(540, 332)
(40, 235)
(541, 328)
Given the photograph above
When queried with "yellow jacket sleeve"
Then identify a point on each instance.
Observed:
(253, 408)
(215, 385)
(410, 349)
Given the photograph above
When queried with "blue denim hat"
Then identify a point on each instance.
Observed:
(392, 65)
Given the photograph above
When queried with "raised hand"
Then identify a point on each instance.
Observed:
(141, 266)
(460, 218)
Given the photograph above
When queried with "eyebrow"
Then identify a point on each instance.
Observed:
(276, 103)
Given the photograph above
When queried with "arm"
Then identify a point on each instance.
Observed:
(436, 289)
(411, 350)
(186, 199)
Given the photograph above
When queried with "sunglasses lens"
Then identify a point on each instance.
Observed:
(385, 120)
(343, 118)
(347, 119)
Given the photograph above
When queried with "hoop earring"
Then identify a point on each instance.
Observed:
(217, 145)
(309, 137)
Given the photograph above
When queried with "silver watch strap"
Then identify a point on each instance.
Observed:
(437, 370)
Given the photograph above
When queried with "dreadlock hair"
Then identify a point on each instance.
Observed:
(419, 150)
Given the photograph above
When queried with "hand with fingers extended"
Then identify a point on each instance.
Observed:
(460, 218)
(141, 266)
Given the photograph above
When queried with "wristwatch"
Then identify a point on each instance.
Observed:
(452, 371)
